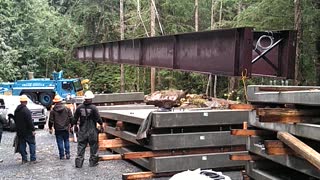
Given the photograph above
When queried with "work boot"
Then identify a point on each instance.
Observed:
(1, 160)
(79, 162)
(93, 161)
(33, 162)
(24, 161)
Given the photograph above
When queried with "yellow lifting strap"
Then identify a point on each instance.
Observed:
(244, 77)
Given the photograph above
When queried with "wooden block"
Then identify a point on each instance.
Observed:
(110, 157)
(244, 157)
(248, 132)
(113, 143)
(300, 148)
(241, 106)
(276, 147)
(102, 136)
(279, 151)
(119, 126)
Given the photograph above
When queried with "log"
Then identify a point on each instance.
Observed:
(247, 132)
(300, 148)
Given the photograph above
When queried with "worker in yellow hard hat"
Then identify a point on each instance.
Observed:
(60, 118)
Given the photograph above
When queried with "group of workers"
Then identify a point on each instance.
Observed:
(61, 119)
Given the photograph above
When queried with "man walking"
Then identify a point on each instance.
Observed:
(2, 122)
(60, 118)
(25, 130)
(89, 116)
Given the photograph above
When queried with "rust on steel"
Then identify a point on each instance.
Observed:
(228, 52)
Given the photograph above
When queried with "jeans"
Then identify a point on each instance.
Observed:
(31, 140)
(0, 136)
(62, 138)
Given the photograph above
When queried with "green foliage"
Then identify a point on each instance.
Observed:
(39, 36)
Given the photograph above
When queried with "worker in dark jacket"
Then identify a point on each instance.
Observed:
(2, 122)
(60, 118)
(25, 130)
(89, 116)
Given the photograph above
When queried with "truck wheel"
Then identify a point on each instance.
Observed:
(12, 125)
(31, 96)
(46, 99)
(41, 126)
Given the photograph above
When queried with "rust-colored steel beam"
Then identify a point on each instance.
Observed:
(223, 52)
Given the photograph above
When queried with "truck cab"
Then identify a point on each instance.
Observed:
(8, 105)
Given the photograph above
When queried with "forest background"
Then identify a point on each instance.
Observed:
(39, 36)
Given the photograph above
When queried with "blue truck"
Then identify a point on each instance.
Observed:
(43, 90)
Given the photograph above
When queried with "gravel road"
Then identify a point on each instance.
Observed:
(49, 165)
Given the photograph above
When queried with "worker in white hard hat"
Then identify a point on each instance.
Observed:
(88, 115)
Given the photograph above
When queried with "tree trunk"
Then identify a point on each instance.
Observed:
(152, 33)
(196, 14)
(317, 56)
(233, 81)
(209, 85)
(298, 28)
(122, 71)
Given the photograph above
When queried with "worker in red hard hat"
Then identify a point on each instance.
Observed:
(60, 118)
(88, 115)
(25, 130)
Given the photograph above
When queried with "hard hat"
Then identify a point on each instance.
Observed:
(88, 95)
(57, 98)
(23, 98)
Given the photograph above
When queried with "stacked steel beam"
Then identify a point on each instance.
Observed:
(176, 140)
(283, 142)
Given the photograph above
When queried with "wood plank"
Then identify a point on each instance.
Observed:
(113, 143)
(251, 132)
(241, 106)
(110, 157)
(287, 112)
(145, 175)
(300, 148)
(245, 157)
(284, 88)
(279, 151)
(149, 154)
(284, 119)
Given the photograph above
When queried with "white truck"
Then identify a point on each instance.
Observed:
(8, 104)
